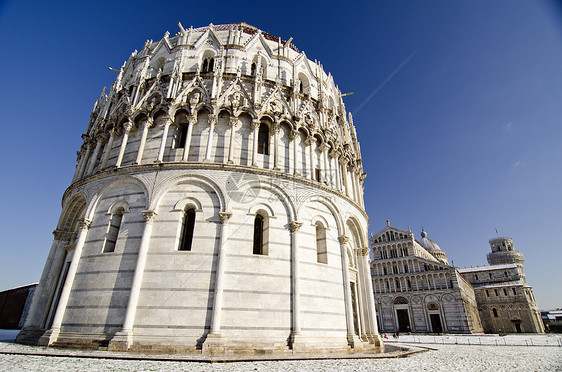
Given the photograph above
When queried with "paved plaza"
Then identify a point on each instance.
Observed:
(442, 355)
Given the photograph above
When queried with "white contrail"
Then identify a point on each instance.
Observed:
(384, 82)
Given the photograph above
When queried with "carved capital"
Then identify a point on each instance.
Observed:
(255, 124)
(127, 127)
(309, 140)
(149, 216)
(225, 216)
(344, 239)
(364, 251)
(233, 121)
(85, 224)
(323, 147)
(294, 226)
(212, 120)
(192, 119)
(63, 235)
(102, 137)
(293, 134)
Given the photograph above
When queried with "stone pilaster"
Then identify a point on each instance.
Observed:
(123, 340)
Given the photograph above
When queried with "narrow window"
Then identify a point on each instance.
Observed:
(505, 273)
(253, 69)
(188, 224)
(317, 174)
(301, 87)
(183, 135)
(495, 311)
(475, 276)
(514, 292)
(490, 275)
(211, 64)
(505, 292)
(321, 249)
(258, 235)
(205, 66)
(113, 230)
(487, 293)
(496, 292)
(263, 139)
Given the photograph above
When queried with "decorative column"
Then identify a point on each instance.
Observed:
(127, 128)
(51, 335)
(107, 150)
(212, 122)
(219, 280)
(232, 124)
(293, 137)
(255, 128)
(325, 167)
(334, 156)
(308, 142)
(100, 139)
(276, 129)
(344, 239)
(86, 157)
(344, 176)
(145, 125)
(80, 160)
(191, 122)
(41, 296)
(294, 226)
(167, 122)
(124, 339)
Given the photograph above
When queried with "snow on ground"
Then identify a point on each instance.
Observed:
(442, 357)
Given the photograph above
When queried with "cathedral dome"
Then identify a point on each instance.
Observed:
(433, 247)
(197, 217)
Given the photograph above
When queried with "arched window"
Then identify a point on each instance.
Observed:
(188, 225)
(495, 311)
(253, 69)
(182, 137)
(113, 230)
(261, 228)
(263, 139)
(321, 248)
(207, 65)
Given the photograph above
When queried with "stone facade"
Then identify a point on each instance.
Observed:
(217, 205)
(416, 290)
(505, 301)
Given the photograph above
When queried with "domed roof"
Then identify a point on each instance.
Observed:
(429, 244)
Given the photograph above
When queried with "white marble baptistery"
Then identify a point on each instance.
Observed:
(217, 207)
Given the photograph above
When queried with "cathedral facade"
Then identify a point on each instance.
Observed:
(217, 205)
(417, 290)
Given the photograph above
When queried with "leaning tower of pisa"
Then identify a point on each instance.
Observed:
(217, 206)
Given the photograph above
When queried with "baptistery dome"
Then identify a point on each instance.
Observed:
(217, 205)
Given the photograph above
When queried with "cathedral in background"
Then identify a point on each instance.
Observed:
(417, 290)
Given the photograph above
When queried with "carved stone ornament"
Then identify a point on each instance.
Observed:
(194, 98)
(309, 120)
(344, 239)
(85, 224)
(225, 216)
(294, 226)
(276, 107)
(236, 100)
(149, 216)
(233, 121)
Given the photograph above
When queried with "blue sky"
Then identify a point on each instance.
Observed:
(461, 134)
